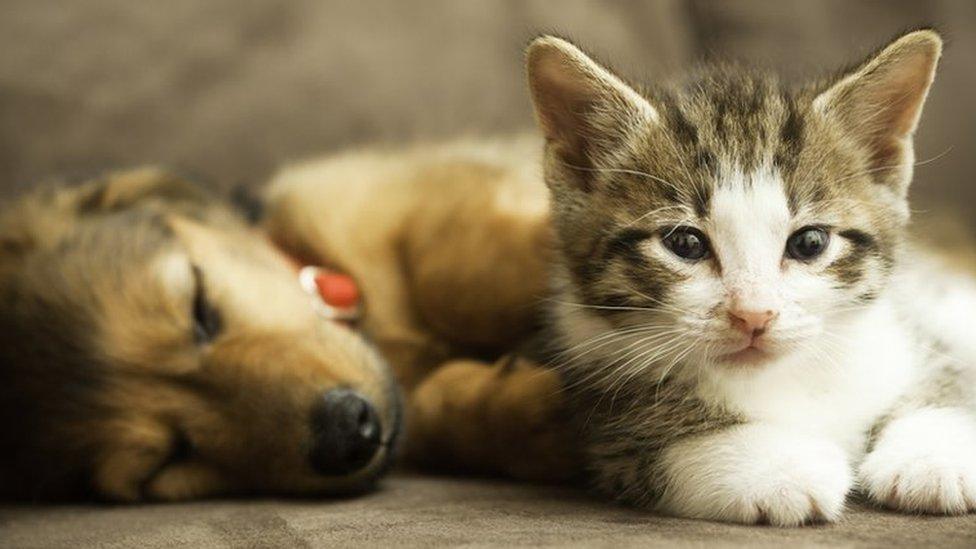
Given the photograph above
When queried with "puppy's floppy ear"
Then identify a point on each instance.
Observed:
(12, 245)
(581, 106)
(120, 190)
(18, 226)
(879, 103)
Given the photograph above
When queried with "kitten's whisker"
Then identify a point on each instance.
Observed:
(939, 354)
(623, 171)
(660, 307)
(652, 212)
(667, 370)
(610, 334)
(892, 167)
(606, 307)
(654, 340)
(662, 304)
(626, 351)
(625, 375)
(645, 364)
(660, 352)
(636, 350)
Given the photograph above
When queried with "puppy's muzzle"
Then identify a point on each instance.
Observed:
(345, 433)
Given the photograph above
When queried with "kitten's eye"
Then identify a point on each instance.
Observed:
(687, 243)
(807, 243)
(206, 319)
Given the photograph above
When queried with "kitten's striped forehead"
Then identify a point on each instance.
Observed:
(718, 126)
(721, 125)
(734, 117)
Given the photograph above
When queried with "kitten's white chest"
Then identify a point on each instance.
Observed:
(837, 391)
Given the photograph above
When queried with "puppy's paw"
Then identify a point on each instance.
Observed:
(756, 475)
(924, 463)
(504, 418)
(183, 481)
(140, 447)
(528, 419)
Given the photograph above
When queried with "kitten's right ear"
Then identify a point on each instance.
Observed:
(879, 103)
(580, 105)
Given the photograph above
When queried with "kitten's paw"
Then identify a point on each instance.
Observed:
(755, 475)
(924, 462)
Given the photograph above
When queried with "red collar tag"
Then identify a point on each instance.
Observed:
(335, 296)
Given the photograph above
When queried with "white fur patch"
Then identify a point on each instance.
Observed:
(748, 226)
(925, 462)
(756, 473)
(835, 388)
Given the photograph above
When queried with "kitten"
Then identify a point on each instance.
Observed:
(748, 334)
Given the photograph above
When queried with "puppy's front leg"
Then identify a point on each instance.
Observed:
(186, 480)
(138, 448)
(504, 418)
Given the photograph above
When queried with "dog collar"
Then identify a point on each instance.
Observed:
(335, 296)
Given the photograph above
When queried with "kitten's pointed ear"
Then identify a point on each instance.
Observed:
(580, 105)
(880, 102)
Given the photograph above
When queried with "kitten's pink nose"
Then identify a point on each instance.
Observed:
(751, 322)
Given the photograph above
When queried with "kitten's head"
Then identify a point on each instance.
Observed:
(725, 211)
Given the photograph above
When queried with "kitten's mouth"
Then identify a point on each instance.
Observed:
(751, 355)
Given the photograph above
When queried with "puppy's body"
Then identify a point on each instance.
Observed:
(449, 244)
(422, 231)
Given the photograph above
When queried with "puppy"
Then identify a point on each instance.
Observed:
(154, 346)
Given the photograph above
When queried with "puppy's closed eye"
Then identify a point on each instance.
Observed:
(207, 322)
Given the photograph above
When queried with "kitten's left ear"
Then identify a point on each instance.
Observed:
(581, 106)
(879, 103)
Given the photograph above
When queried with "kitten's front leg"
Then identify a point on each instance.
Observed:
(755, 474)
(924, 461)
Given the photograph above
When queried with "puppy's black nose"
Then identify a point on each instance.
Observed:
(345, 433)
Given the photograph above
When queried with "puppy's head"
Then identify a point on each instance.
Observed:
(152, 346)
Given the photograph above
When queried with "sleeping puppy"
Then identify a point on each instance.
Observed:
(154, 346)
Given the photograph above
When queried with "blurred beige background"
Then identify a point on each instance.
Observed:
(228, 89)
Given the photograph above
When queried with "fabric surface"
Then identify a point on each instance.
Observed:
(412, 511)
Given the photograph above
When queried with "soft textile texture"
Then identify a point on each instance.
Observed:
(411, 511)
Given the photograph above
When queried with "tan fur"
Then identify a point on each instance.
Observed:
(105, 390)
(449, 243)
